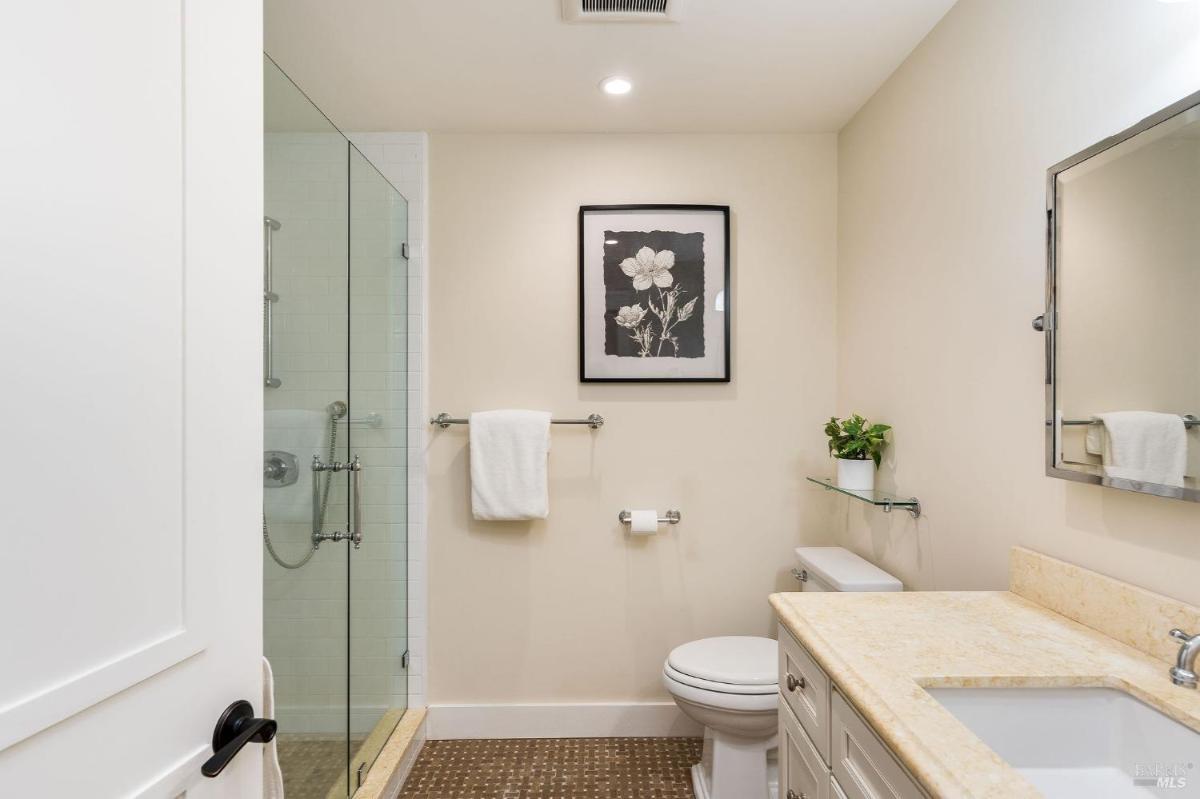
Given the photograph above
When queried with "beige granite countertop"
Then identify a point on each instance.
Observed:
(883, 649)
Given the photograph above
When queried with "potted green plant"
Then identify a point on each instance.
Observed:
(857, 445)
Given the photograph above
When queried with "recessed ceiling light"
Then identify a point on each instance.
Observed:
(616, 85)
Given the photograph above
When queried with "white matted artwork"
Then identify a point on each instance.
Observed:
(654, 293)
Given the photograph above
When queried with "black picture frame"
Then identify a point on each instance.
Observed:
(596, 333)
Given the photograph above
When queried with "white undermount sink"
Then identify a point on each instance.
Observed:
(1082, 742)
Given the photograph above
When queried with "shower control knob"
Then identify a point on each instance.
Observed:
(1039, 323)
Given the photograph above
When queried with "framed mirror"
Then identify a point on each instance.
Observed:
(1122, 318)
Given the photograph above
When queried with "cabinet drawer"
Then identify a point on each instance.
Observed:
(802, 774)
(863, 767)
(807, 692)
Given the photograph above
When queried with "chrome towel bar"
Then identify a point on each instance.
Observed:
(1189, 420)
(594, 421)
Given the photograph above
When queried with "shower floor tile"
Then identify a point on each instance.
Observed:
(558, 768)
(313, 764)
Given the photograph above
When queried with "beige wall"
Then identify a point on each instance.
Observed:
(941, 267)
(571, 609)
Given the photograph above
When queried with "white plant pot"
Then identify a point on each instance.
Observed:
(856, 475)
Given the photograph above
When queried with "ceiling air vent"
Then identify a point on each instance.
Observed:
(621, 10)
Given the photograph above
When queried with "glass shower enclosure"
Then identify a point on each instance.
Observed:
(335, 279)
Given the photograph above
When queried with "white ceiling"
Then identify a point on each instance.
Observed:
(514, 65)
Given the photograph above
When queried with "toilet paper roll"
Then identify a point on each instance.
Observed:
(643, 522)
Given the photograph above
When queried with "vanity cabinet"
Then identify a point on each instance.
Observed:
(826, 749)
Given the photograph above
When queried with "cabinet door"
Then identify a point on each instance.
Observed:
(863, 767)
(802, 774)
(805, 688)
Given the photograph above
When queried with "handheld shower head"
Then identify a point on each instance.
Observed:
(337, 409)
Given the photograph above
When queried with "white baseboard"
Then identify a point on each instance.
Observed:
(592, 720)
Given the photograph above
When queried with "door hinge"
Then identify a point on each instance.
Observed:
(404, 660)
(404, 250)
(359, 773)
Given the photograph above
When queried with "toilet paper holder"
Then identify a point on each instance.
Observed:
(672, 517)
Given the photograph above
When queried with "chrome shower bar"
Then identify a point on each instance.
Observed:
(594, 421)
(269, 299)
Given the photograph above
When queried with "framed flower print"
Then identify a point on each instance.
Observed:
(654, 293)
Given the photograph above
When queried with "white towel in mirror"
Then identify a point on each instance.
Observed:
(1143, 446)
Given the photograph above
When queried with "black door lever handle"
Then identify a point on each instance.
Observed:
(236, 728)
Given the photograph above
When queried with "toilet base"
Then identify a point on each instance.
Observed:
(735, 764)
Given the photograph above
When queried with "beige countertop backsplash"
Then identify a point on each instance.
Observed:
(1060, 625)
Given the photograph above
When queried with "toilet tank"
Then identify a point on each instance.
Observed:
(837, 569)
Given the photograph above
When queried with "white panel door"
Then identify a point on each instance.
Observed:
(130, 311)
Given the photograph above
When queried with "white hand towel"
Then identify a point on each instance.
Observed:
(509, 450)
(304, 434)
(272, 773)
(1145, 446)
(1093, 443)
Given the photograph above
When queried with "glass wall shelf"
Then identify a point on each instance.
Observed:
(879, 499)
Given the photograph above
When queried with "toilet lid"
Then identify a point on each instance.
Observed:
(678, 677)
(734, 659)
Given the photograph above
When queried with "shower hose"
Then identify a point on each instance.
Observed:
(324, 504)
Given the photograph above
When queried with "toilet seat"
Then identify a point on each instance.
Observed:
(721, 700)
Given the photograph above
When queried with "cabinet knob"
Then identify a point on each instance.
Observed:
(792, 795)
(793, 683)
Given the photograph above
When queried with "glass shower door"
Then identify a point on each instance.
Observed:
(335, 382)
(306, 393)
(379, 399)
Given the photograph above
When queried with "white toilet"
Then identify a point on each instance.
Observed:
(731, 685)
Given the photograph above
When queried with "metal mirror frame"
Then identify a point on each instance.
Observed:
(1047, 324)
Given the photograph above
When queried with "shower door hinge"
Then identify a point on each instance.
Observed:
(404, 660)
(404, 250)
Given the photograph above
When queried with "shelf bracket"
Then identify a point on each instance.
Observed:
(914, 508)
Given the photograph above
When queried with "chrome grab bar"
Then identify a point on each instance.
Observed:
(354, 534)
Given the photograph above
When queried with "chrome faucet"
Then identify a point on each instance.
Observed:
(1184, 671)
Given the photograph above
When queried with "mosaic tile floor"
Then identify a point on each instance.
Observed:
(561, 768)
